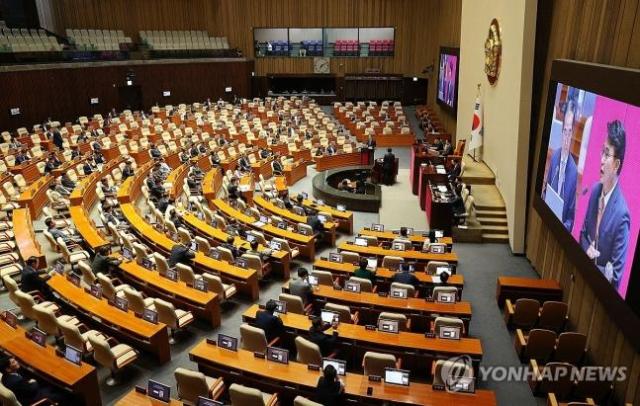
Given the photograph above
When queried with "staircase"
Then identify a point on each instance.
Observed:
(490, 209)
(494, 223)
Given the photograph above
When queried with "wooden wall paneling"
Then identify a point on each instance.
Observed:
(606, 31)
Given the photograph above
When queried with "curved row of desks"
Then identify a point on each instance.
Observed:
(414, 255)
(294, 379)
(246, 280)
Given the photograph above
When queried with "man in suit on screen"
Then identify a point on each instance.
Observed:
(605, 231)
(562, 175)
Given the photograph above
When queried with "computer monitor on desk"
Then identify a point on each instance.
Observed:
(372, 264)
(159, 391)
(338, 364)
(396, 376)
(449, 332)
(377, 227)
(361, 242)
(278, 355)
(329, 316)
(73, 355)
(388, 326)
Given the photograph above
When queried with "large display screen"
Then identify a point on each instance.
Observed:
(588, 185)
(447, 95)
(590, 180)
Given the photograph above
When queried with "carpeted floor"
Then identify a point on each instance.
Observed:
(480, 264)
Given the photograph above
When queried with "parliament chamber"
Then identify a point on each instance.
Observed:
(230, 202)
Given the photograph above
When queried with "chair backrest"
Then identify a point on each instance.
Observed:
(166, 313)
(252, 338)
(185, 237)
(225, 254)
(553, 380)
(446, 370)
(441, 321)
(392, 262)
(135, 300)
(525, 313)
(401, 318)
(88, 277)
(324, 277)
(191, 384)
(71, 335)
(46, 320)
(294, 303)
(411, 290)
(344, 312)
(245, 396)
(203, 245)
(26, 303)
(161, 263)
(253, 262)
(350, 257)
(374, 363)
(186, 274)
(540, 344)
(140, 252)
(365, 284)
(108, 290)
(553, 315)
(8, 398)
(432, 266)
(570, 348)
(302, 401)
(308, 352)
(102, 352)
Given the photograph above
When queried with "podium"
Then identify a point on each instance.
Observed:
(376, 176)
(366, 155)
(439, 207)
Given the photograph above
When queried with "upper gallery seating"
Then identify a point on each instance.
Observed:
(97, 40)
(183, 41)
(14, 40)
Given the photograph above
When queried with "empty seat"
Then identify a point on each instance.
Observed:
(192, 384)
(245, 396)
(175, 319)
(114, 357)
(295, 303)
(308, 352)
(538, 344)
(344, 313)
(553, 315)
(253, 339)
(374, 363)
(571, 347)
(447, 370)
(523, 315)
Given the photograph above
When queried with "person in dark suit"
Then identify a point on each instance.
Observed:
(388, 163)
(21, 157)
(27, 391)
(438, 144)
(233, 188)
(276, 166)
(102, 262)
(455, 171)
(243, 164)
(326, 342)
(270, 323)
(180, 255)
(57, 139)
(128, 170)
(330, 389)
(214, 159)
(562, 175)
(605, 231)
(406, 277)
(331, 149)
(231, 247)
(31, 278)
(447, 148)
(155, 152)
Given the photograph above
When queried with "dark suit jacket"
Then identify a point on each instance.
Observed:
(568, 188)
(180, 254)
(26, 392)
(407, 278)
(57, 139)
(30, 279)
(271, 324)
(613, 237)
(388, 161)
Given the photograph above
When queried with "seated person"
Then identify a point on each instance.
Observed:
(98, 158)
(113, 217)
(109, 191)
(264, 153)
(233, 188)
(301, 286)
(331, 149)
(406, 277)
(270, 323)
(156, 190)
(60, 188)
(128, 170)
(180, 255)
(184, 157)
(66, 181)
(330, 389)
(27, 391)
(68, 235)
(21, 156)
(102, 262)
(243, 164)
(447, 148)
(320, 151)
(88, 166)
(444, 278)
(326, 342)
(363, 272)
(403, 234)
(32, 278)
(231, 247)
(276, 166)
(155, 152)
(175, 218)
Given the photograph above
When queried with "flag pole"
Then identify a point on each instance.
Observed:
(474, 150)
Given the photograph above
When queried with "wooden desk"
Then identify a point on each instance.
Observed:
(306, 243)
(513, 288)
(416, 239)
(205, 305)
(439, 212)
(386, 275)
(296, 379)
(124, 325)
(371, 305)
(329, 228)
(280, 260)
(295, 172)
(246, 280)
(81, 380)
(420, 257)
(416, 350)
(25, 238)
(29, 170)
(246, 187)
(34, 197)
(134, 398)
(87, 229)
(344, 218)
(326, 162)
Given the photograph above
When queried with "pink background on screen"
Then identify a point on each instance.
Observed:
(607, 110)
